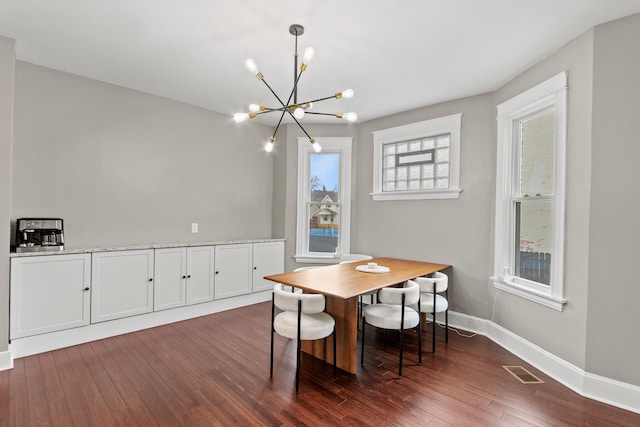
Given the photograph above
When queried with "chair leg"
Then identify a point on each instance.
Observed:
(299, 347)
(362, 346)
(401, 350)
(433, 334)
(273, 306)
(446, 324)
(335, 353)
(419, 340)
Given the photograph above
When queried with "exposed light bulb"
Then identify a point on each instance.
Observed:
(352, 117)
(251, 66)
(308, 55)
(347, 93)
(254, 108)
(298, 113)
(316, 147)
(269, 147)
(240, 117)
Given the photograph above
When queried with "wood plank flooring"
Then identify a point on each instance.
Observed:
(214, 371)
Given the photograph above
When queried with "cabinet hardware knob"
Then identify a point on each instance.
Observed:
(86, 289)
(217, 272)
(255, 268)
(188, 276)
(184, 277)
(151, 279)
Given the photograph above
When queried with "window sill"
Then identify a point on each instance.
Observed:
(417, 195)
(511, 287)
(312, 259)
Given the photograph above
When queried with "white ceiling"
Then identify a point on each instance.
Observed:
(396, 55)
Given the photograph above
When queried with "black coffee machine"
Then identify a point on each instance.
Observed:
(39, 234)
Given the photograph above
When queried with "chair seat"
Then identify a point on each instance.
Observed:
(426, 303)
(388, 316)
(313, 326)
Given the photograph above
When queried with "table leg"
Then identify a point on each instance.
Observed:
(345, 313)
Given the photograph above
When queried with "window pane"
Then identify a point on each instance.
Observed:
(323, 226)
(324, 206)
(533, 240)
(537, 157)
(324, 175)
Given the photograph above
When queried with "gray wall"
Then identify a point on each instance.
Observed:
(122, 167)
(456, 231)
(613, 345)
(7, 55)
(561, 333)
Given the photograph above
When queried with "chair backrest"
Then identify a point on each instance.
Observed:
(354, 257)
(411, 291)
(288, 301)
(439, 280)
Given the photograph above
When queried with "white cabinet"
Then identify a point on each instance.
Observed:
(200, 274)
(122, 284)
(268, 259)
(234, 272)
(183, 276)
(170, 277)
(49, 293)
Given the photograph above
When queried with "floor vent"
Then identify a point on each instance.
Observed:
(524, 376)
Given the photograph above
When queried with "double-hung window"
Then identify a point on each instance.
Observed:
(529, 229)
(324, 200)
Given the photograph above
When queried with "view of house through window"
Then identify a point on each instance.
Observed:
(324, 204)
(533, 204)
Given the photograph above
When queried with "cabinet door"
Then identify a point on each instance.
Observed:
(268, 259)
(170, 277)
(200, 272)
(49, 293)
(233, 270)
(122, 284)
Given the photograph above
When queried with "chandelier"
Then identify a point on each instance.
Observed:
(292, 107)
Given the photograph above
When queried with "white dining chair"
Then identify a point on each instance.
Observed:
(432, 303)
(302, 318)
(394, 312)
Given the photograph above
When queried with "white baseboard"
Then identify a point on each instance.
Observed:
(36, 344)
(6, 361)
(606, 390)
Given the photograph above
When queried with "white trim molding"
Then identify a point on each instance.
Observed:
(592, 386)
(548, 95)
(6, 361)
(449, 125)
(342, 146)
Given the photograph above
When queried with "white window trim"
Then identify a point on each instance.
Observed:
(448, 124)
(552, 92)
(328, 144)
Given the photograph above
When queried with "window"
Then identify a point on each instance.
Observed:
(418, 161)
(529, 239)
(324, 200)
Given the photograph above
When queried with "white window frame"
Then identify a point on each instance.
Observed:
(340, 145)
(551, 93)
(425, 129)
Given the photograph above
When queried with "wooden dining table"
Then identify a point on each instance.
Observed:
(341, 284)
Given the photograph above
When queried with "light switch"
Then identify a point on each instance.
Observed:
(194, 227)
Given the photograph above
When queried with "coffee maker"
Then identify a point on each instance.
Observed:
(39, 234)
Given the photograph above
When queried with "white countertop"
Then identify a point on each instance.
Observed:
(141, 246)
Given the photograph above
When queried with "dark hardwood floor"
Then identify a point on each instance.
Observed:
(214, 370)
